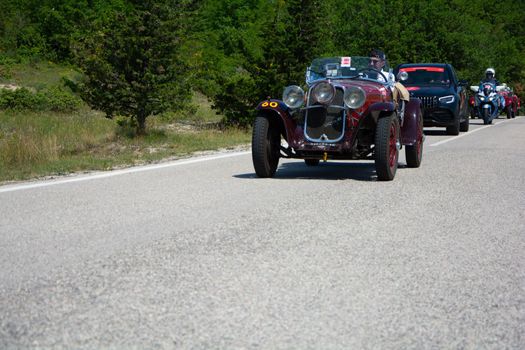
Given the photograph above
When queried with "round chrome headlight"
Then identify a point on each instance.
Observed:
(323, 92)
(354, 97)
(293, 96)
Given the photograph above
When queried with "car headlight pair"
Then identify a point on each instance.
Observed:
(324, 92)
(447, 99)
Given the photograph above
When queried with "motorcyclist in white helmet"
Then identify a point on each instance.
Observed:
(490, 76)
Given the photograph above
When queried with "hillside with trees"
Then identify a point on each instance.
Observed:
(240, 51)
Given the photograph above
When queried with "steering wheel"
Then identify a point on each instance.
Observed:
(370, 69)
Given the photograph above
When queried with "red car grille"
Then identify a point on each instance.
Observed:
(326, 124)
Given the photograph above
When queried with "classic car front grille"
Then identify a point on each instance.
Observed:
(326, 124)
(428, 101)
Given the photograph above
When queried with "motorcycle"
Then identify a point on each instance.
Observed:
(487, 102)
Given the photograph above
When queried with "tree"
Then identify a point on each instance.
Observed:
(131, 62)
(259, 47)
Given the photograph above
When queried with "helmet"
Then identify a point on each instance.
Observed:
(377, 58)
(490, 71)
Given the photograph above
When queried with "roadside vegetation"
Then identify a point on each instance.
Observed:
(35, 144)
(101, 84)
(54, 134)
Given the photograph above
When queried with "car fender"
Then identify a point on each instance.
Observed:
(410, 122)
(378, 109)
(278, 112)
(381, 107)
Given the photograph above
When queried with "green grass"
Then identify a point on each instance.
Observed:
(36, 144)
(42, 144)
(36, 76)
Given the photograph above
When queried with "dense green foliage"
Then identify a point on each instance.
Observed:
(131, 64)
(238, 52)
(50, 99)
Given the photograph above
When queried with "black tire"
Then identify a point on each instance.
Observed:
(472, 113)
(453, 129)
(513, 113)
(266, 143)
(414, 153)
(464, 126)
(311, 162)
(486, 116)
(509, 112)
(386, 152)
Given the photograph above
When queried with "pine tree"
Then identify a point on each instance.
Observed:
(131, 63)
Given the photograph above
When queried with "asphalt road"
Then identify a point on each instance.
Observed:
(201, 254)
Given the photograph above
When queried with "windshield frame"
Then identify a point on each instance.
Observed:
(342, 67)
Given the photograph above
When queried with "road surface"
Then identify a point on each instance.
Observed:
(200, 254)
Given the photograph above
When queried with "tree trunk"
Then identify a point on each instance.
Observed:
(141, 124)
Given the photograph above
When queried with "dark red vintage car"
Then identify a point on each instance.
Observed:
(512, 102)
(345, 111)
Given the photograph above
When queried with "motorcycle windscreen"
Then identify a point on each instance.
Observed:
(326, 123)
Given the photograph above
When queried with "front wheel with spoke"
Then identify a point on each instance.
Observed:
(386, 150)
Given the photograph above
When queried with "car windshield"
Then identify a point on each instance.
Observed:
(425, 76)
(347, 67)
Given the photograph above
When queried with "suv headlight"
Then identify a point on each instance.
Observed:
(323, 92)
(354, 97)
(293, 96)
(447, 99)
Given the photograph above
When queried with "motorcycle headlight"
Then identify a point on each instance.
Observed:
(481, 98)
(447, 99)
(293, 96)
(491, 98)
(323, 92)
(354, 97)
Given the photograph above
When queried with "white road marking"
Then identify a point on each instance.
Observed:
(469, 133)
(11, 188)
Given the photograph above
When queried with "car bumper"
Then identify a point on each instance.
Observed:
(438, 117)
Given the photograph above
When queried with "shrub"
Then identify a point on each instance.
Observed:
(58, 99)
(55, 99)
(18, 99)
(5, 68)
